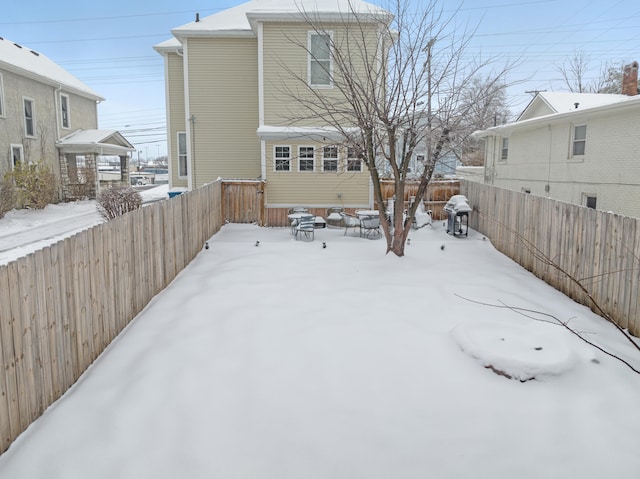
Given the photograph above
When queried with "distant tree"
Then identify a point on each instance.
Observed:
(580, 77)
(402, 88)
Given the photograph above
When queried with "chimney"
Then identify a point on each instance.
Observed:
(197, 17)
(630, 79)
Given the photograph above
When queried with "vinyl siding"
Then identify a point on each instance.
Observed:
(285, 88)
(609, 168)
(223, 99)
(315, 188)
(175, 112)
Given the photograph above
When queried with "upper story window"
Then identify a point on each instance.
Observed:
(64, 110)
(579, 140)
(1, 98)
(182, 154)
(504, 152)
(29, 119)
(305, 158)
(354, 161)
(320, 63)
(282, 158)
(330, 158)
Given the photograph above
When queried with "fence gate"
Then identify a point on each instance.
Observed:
(243, 201)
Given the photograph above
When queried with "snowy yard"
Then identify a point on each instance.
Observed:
(288, 360)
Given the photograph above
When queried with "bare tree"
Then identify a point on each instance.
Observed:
(398, 78)
(580, 77)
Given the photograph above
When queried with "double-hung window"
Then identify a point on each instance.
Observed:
(29, 119)
(330, 158)
(354, 162)
(305, 158)
(282, 158)
(64, 110)
(579, 140)
(320, 63)
(182, 154)
(504, 153)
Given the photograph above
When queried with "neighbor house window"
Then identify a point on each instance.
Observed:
(282, 158)
(182, 154)
(29, 120)
(505, 149)
(579, 140)
(590, 201)
(64, 110)
(354, 160)
(320, 64)
(17, 156)
(330, 158)
(305, 158)
(1, 97)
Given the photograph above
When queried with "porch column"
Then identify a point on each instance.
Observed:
(64, 175)
(124, 170)
(92, 183)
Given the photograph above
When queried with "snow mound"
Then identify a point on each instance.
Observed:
(516, 351)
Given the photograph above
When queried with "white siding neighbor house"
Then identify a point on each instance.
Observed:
(229, 110)
(48, 116)
(581, 148)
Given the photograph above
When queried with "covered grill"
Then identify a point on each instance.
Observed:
(457, 209)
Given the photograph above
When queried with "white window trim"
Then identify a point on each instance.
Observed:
(275, 159)
(13, 146)
(336, 159)
(68, 125)
(503, 149)
(3, 112)
(352, 158)
(309, 59)
(313, 168)
(33, 116)
(186, 154)
(573, 141)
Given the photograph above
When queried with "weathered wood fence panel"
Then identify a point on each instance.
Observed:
(243, 201)
(600, 249)
(437, 195)
(62, 305)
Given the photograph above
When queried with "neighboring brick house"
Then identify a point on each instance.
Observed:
(47, 115)
(581, 148)
(228, 117)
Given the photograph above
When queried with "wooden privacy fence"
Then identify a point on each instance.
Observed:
(243, 201)
(437, 195)
(62, 305)
(600, 249)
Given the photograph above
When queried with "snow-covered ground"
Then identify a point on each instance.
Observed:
(290, 360)
(25, 231)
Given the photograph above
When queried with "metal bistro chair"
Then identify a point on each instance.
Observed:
(370, 227)
(306, 226)
(350, 221)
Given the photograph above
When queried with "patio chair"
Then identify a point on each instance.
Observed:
(350, 221)
(306, 228)
(370, 227)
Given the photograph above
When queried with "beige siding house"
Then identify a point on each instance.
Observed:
(235, 83)
(579, 148)
(49, 116)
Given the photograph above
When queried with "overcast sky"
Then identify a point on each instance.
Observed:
(109, 46)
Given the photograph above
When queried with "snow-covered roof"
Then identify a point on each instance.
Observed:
(238, 20)
(103, 142)
(32, 64)
(548, 102)
(269, 132)
(597, 106)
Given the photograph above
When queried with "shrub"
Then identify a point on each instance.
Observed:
(118, 201)
(7, 194)
(36, 185)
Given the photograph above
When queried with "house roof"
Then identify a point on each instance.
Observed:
(102, 142)
(32, 64)
(550, 102)
(240, 20)
(603, 105)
